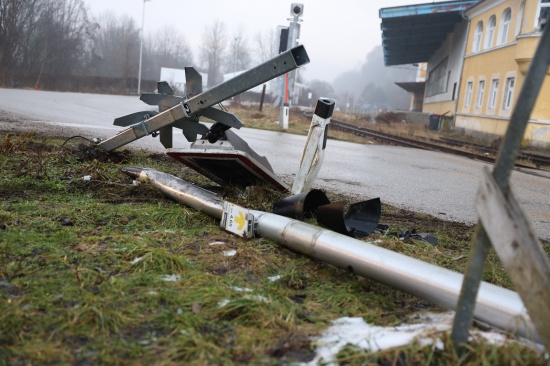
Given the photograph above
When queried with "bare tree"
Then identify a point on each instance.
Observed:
(16, 21)
(320, 89)
(238, 58)
(116, 50)
(213, 49)
(356, 82)
(166, 48)
(264, 45)
(60, 38)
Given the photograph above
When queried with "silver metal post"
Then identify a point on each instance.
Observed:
(495, 305)
(141, 47)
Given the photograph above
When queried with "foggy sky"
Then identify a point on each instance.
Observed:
(337, 34)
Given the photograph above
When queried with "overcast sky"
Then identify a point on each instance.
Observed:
(337, 34)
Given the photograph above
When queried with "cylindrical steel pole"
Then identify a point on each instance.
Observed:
(495, 305)
(180, 190)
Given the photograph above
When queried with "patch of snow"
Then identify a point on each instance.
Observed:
(274, 278)
(230, 253)
(356, 332)
(218, 243)
(241, 289)
(136, 260)
(223, 302)
(171, 278)
(258, 298)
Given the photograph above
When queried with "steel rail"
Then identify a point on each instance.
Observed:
(537, 159)
(425, 145)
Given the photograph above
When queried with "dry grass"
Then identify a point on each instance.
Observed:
(106, 272)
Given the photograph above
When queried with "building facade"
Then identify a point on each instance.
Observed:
(501, 41)
(444, 70)
(478, 65)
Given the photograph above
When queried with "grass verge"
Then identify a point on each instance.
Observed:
(97, 270)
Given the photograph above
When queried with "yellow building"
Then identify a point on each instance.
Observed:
(477, 55)
(502, 38)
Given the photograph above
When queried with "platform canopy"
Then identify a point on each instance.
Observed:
(411, 34)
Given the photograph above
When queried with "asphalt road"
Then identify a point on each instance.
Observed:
(435, 183)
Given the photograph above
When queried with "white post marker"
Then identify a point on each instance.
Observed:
(314, 150)
(285, 116)
(237, 220)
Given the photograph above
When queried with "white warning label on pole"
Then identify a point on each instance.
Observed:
(236, 220)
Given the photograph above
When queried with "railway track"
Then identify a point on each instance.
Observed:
(538, 160)
(447, 145)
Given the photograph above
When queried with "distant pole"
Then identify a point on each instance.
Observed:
(262, 98)
(236, 50)
(296, 10)
(141, 47)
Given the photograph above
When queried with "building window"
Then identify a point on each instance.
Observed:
(542, 14)
(490, 32)
(480, 92)
(468, 97)
(493, 94)
(478, 34)
(436, 80)
(519, 22)
(504, 27)
(508, 93)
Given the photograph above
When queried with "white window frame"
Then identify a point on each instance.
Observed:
(490, 35)
(478, 35)
(519, 21)
(504, 27)
(480, 93)
(493, 94)
(468, 94)
(542, 8)
(509, 93)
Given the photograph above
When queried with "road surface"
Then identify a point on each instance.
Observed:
(423, 181)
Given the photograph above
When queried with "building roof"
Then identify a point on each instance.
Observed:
(411, 34)
(412, 87)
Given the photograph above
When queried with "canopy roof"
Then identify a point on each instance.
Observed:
(411, 34)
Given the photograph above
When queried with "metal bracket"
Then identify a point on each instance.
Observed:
(143, 125)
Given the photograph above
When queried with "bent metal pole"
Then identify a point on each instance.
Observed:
(495, 305)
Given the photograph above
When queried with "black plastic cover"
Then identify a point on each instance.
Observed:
(359, 220)
(302, 205)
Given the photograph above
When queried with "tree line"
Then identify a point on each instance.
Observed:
(59, 45)
(58, 42)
